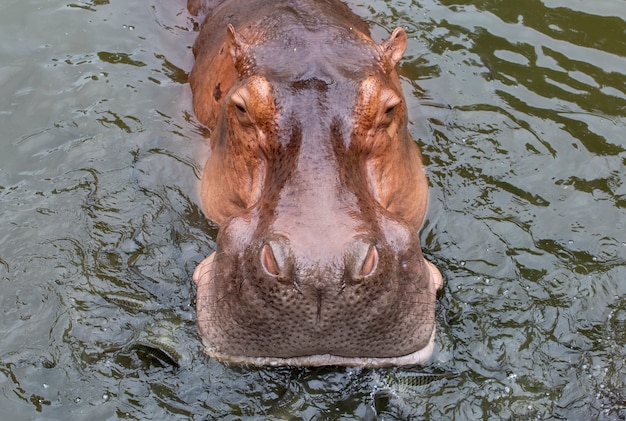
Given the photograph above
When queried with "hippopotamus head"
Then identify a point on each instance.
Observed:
(318, 191)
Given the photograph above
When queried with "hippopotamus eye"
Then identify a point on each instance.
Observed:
(241, 111)
(389, 110)
(390, 104)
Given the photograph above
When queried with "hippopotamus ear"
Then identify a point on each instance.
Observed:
(238, 47)
(392, 49)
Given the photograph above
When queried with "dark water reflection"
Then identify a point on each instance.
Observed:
(520, 109)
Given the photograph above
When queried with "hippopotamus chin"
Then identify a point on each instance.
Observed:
(317, 188)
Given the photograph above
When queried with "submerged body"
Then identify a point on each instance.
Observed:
(317, 187)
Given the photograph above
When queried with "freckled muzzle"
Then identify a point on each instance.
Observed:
(271, 303)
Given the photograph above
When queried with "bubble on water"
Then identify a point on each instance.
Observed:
(555, 28)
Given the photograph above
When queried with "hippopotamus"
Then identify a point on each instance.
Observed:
(316, 186)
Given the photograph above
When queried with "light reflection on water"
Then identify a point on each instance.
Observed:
(520, 110)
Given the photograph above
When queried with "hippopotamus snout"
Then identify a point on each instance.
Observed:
(292, 302)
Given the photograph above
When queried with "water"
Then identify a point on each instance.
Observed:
(520, 109)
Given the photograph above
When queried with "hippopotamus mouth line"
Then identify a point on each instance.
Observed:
(318, 297)
(415, 358)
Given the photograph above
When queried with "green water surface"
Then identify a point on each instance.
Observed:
(520, 109)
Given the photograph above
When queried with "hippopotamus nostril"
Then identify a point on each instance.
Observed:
(277, 259)
(362, 258)
(370, 262)
(268, 260)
